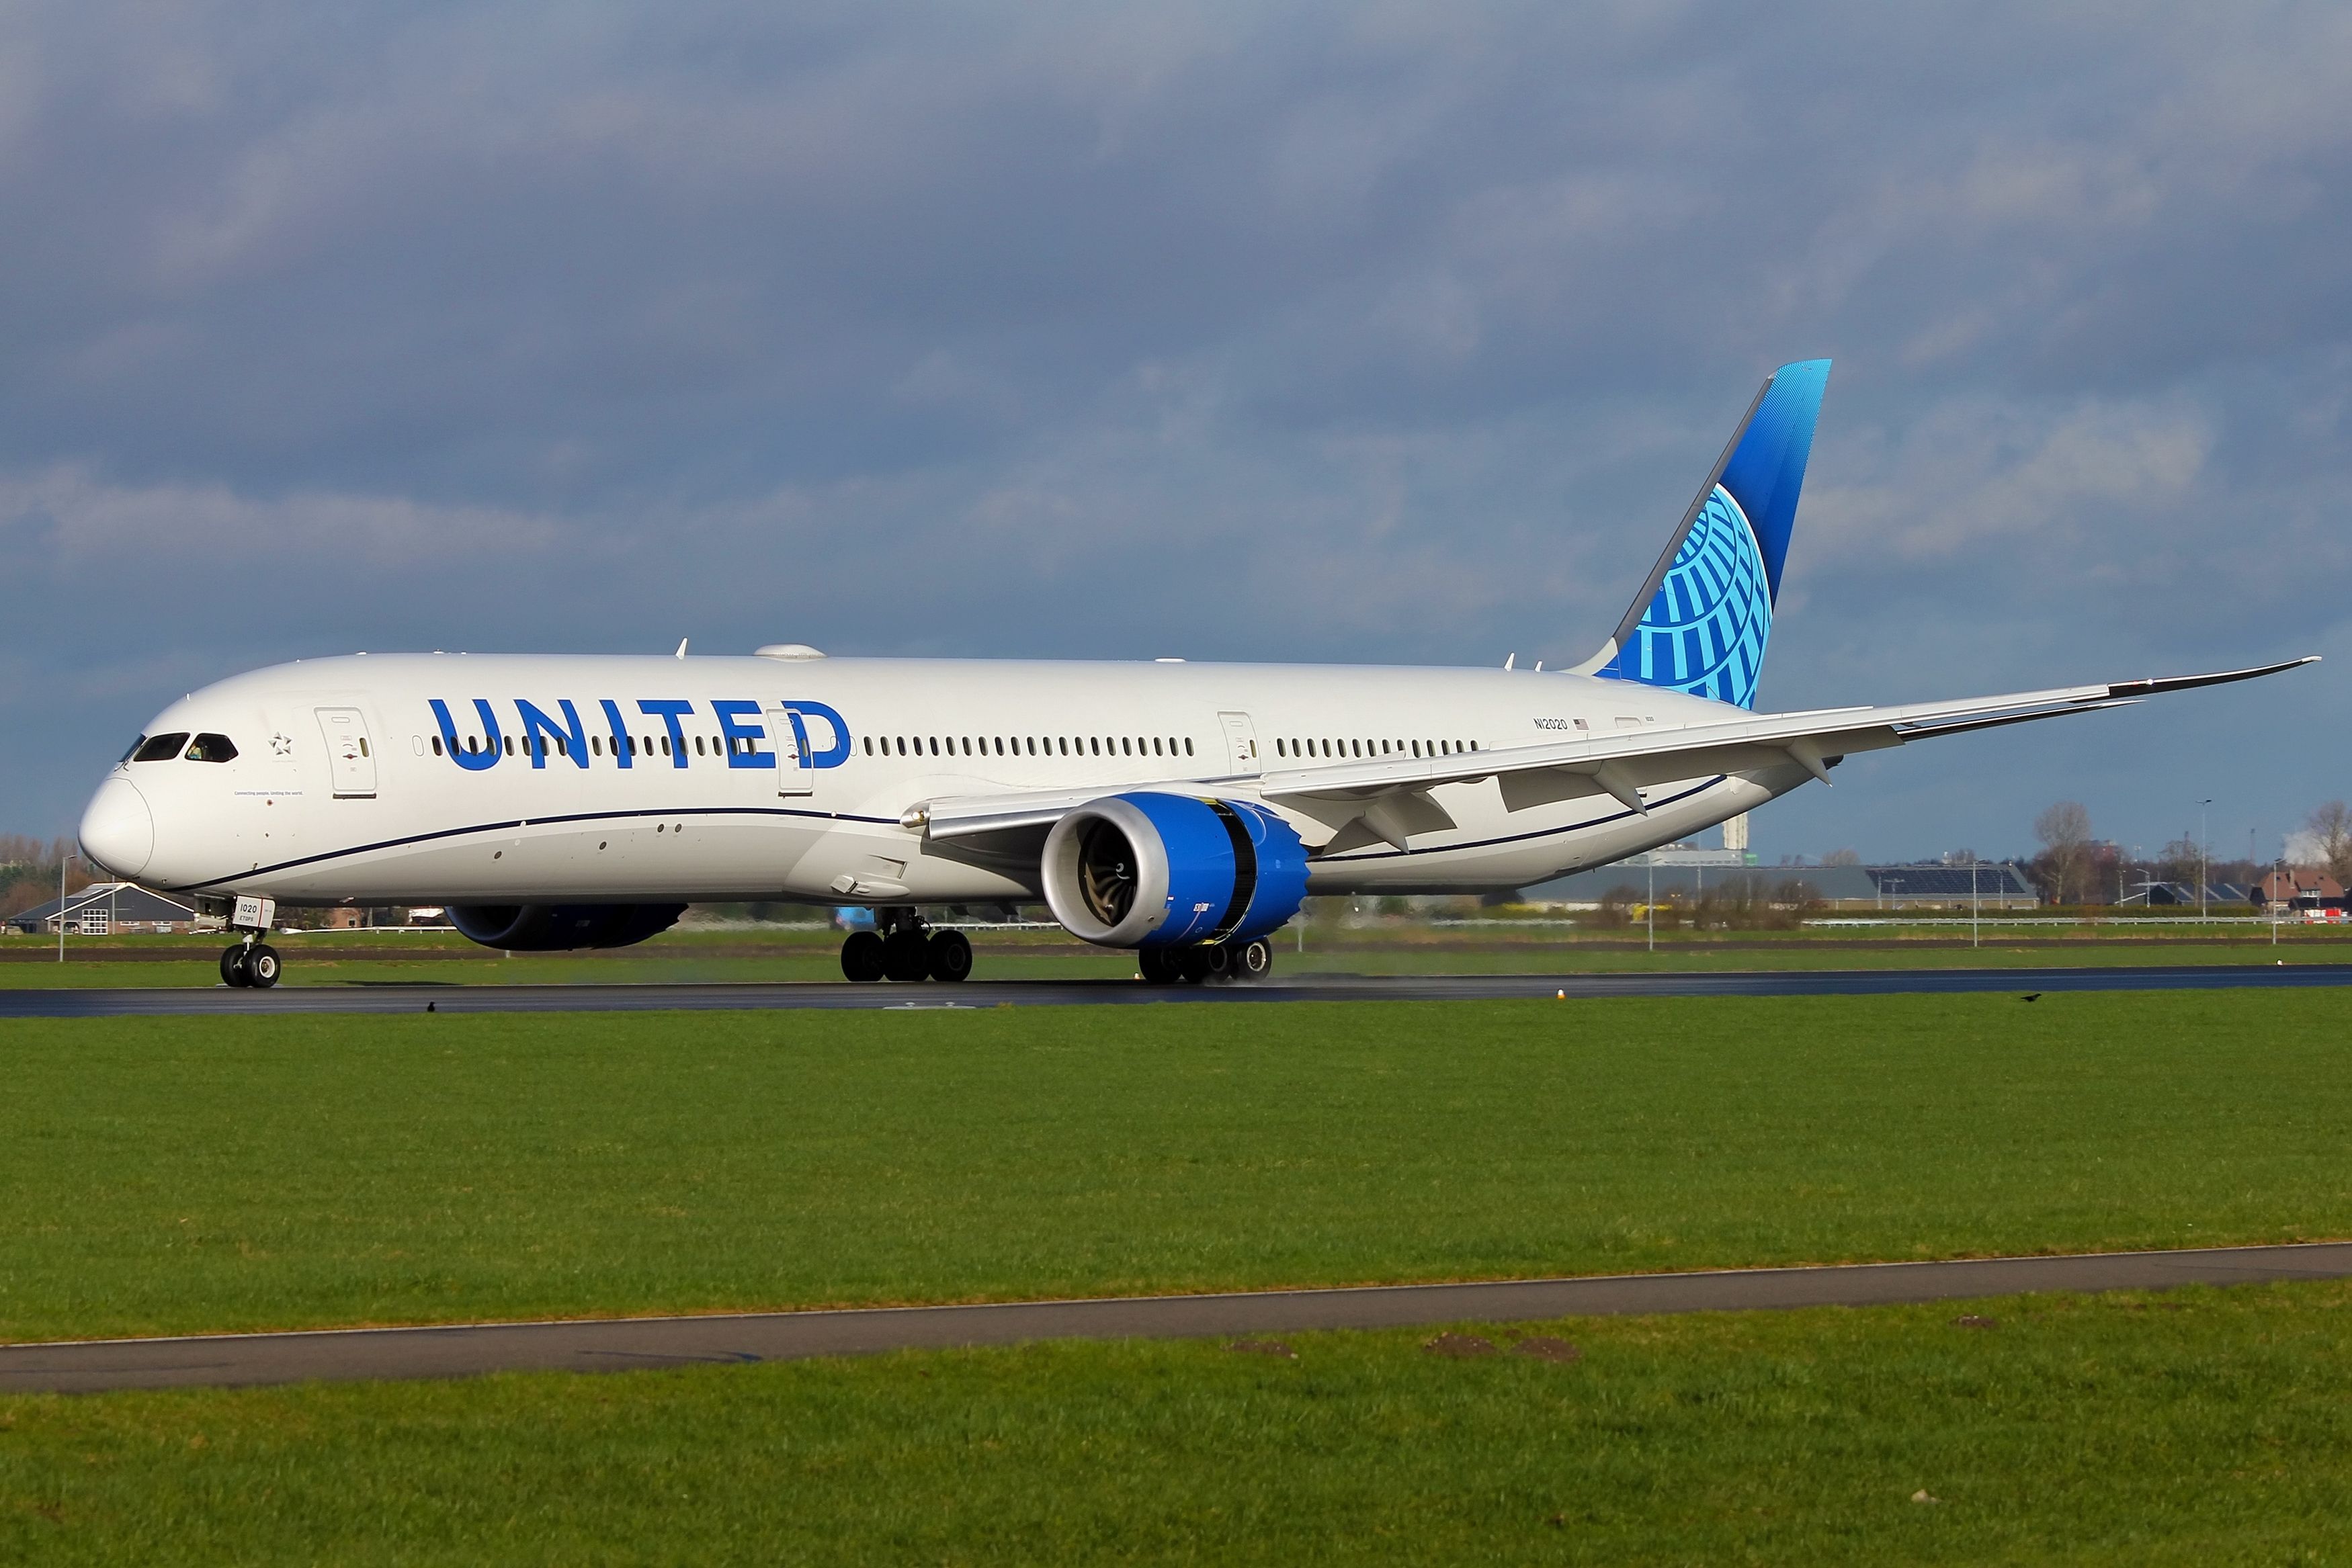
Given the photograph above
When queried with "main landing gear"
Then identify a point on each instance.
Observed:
(1227, 961)
(904, 946)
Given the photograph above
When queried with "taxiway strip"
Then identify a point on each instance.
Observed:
(124, 1002)
(619, 1344)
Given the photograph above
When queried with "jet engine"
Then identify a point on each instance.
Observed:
(1150, 869)
(554, 927)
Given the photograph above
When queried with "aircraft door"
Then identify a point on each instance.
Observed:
(350, 759)
(789, 738)
(1241, 742)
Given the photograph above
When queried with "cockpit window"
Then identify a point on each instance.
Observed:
(132, 752)
(160, 747)
(212, 748)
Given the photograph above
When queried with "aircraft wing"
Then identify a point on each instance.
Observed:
(1387, 799)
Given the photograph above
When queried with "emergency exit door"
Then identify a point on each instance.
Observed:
(350, 759)
(1241, 742)
(787, 737)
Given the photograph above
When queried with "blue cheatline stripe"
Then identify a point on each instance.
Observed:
(1618, 815)
(532, 822)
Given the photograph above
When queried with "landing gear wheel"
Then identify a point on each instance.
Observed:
(232, 966)
(1193, 964)
(1159, 966)
(905, 955)
(1254, 960)
(950, 955)
(861, 956)
(261, 966)
(1221, 962)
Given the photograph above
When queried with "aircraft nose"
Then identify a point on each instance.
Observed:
(118, 830)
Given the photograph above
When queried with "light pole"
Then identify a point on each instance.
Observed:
(63, 860)
(2201, 855)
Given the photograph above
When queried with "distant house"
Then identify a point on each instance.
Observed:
(106, 908)
(2293, 889)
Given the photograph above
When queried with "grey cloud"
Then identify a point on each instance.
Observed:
(1386, 333)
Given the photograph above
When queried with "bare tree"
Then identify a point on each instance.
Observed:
(1841, 857)
(2330, 828)
(2065, 831)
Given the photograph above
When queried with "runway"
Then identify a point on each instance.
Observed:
(408, 998)
(625, 1344)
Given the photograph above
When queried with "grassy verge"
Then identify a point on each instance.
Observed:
(2208, 1426)
(175, 1175)
(415, 958)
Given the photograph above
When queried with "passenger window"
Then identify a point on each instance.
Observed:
(1188, 746)
(160, 748)
(212, 748)
(363, 747)
(436, 746)
(1155, 746)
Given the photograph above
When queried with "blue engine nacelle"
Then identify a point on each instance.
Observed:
(560, 927)
(1148, 870)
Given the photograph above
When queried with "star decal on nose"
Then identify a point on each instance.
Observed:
(283, 744)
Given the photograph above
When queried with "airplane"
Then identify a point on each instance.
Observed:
(1179, 809)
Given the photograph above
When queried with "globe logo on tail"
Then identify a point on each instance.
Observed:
(1706, 628)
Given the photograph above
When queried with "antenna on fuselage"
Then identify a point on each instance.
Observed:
(682, 647)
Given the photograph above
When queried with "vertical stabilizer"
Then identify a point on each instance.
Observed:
(1701, 622)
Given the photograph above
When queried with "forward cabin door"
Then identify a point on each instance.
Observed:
(789, 741)
(1241, 742)
(350, 759)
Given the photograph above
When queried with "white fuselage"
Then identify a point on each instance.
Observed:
(793, 778)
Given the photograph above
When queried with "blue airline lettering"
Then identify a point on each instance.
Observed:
(471, 761)
(833, 756)
(623, 752)
(668, 710)
(747, 754)
(534, 722)
(737, 718)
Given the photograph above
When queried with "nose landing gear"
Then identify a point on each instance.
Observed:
(253, 962)
(904, 946)
(250, 964)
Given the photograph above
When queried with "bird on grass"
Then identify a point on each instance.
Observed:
(2030, 997)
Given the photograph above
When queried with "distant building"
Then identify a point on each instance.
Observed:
(2292, 889)
(1686, 877)
(107, 908)
(2184, 894)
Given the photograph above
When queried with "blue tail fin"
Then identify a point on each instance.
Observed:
(1700, 622)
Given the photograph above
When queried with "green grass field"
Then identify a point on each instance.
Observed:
(2197, 1429)
(174, 1175)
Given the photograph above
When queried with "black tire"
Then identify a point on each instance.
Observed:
(1254, 960)
(261, 966)
(950, 956)
(861, 956)
(1193, 964)
(1221, 962)
(232, 966)
(1159, 966)
(905, 955)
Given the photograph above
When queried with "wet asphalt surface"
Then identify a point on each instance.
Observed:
(408, 996)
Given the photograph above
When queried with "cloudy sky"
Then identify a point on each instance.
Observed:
(1377, 332)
